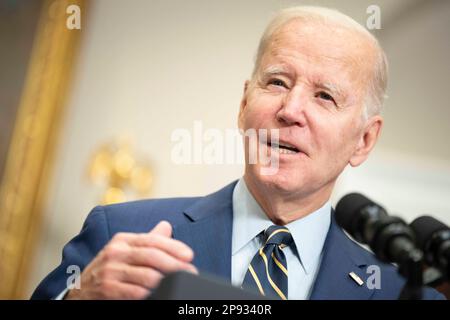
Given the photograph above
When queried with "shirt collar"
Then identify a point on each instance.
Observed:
(309, 233)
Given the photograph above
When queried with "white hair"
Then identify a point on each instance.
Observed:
(376, 90)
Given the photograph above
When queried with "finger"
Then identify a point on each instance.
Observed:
(120, 291)
(163, 228)
(158, 259)
(171, 246)
(145, 277)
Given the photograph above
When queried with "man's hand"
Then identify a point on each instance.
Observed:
(131, 265)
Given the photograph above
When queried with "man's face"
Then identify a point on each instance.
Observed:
(310, 85)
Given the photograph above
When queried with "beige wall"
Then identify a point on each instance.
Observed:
(149, 67)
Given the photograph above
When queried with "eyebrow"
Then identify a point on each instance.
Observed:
(274, 70)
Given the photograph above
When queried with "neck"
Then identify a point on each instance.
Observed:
(283, 207)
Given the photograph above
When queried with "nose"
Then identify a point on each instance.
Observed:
(292, 108)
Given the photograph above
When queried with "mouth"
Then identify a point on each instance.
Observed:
(283, 148)
(283, 145)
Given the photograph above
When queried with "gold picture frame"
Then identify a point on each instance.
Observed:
(28, 164)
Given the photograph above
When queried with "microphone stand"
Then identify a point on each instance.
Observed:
(399, 247)
(411, 267)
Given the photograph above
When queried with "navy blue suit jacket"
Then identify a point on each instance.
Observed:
(205, 224)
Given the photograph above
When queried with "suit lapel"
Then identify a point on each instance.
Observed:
(208, 232)
(340, 258)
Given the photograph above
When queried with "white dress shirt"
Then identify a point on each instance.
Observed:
(303, 258)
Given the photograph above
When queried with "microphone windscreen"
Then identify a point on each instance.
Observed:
(348, 208)
(424, 227)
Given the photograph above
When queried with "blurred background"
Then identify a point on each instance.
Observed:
(89, 100)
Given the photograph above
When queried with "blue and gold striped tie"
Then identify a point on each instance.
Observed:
(267, 272)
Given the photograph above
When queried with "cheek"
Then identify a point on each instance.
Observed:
(260, 111)
(340, 144)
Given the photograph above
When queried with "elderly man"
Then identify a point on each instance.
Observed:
(318, 86)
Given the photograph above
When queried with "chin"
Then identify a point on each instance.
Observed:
(284, 181)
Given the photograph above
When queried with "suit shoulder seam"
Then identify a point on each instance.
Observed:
(102, 211)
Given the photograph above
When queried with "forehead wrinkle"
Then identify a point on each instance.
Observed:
(312, 38)
(354, 58)
(306, 56)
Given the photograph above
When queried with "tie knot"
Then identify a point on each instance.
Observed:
(278, 235)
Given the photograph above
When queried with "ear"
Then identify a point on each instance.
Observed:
(367, 141)
(243, 105)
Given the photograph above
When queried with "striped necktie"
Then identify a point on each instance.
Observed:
(267, 272)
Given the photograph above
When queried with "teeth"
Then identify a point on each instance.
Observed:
(285, 151)
(281, 148)
(284, 144)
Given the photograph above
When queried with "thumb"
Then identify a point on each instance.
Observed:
(163, 228)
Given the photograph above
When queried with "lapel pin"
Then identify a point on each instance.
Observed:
(356, 278)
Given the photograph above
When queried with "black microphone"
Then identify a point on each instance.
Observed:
(390, 238)
(433, 237)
